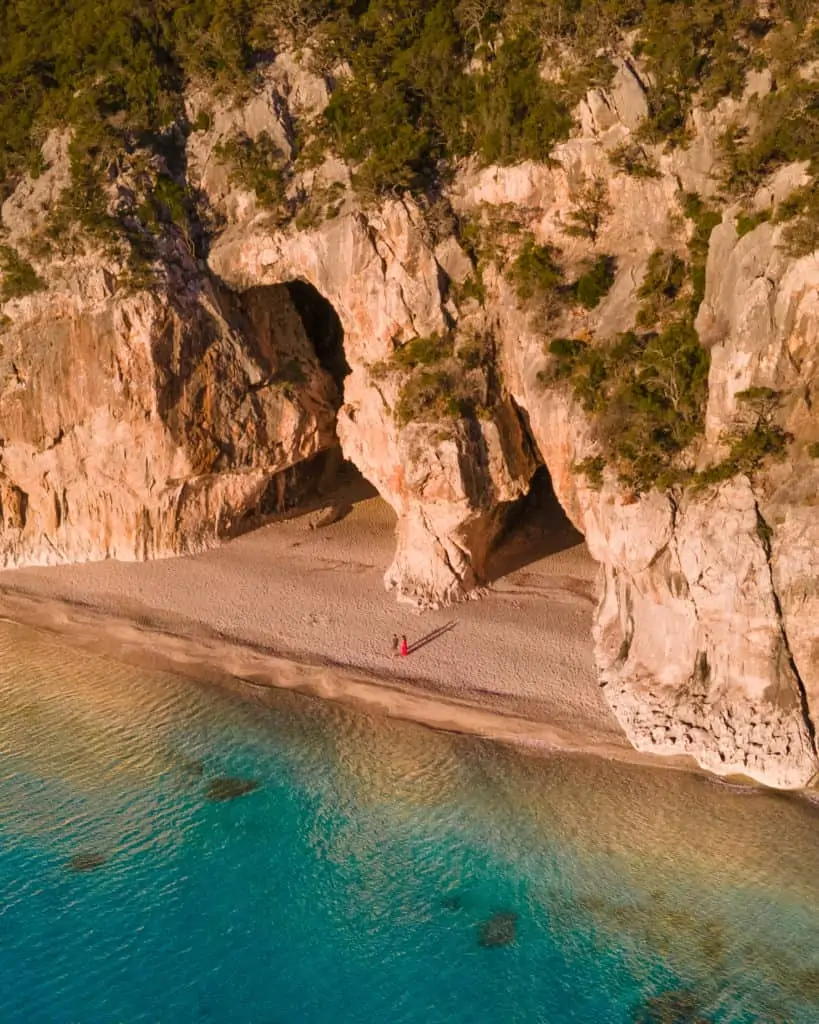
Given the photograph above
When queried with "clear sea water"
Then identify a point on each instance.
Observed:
(378, 873)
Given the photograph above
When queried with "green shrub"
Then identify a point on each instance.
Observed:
(750, 447)
(590, 211)
(535, 272)
(705, 219)
(646, 396)
(19, 277)
(593, 286)
(423, 351)
(813, 450)
(430, 394)
(631, 158)
(516, 115)
(787, 131)
(83, 203)
(203, 122)
(257, 165)
(664, 279)
(691, 48)
(746, 222)
(166, 202)
(412, 101)
(592, 468)
(748, 451)
(800, 212)
(472, 288)
(476, 352)
(442, 381)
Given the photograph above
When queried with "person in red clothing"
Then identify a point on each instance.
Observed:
(404, 648)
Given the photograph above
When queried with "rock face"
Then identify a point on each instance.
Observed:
(152, 424)
(445, 482)
(145, 424)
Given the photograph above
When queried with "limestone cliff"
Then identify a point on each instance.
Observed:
(150, 422)
(140, 424)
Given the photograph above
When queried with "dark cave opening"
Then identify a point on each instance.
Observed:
(323, 327)
(326, 485)
(533, 527)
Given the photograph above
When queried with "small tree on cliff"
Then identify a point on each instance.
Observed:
(591, 210)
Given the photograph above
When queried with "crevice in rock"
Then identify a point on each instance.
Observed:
(526, 430)
(765, 533)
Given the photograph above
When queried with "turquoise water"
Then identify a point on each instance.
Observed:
(378, 872)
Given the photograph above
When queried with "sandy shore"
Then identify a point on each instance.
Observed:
(292, 606)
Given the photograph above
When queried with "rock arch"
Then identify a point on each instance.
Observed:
(447, 482)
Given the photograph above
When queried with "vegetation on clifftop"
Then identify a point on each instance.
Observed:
(17, 276)
(430, 81)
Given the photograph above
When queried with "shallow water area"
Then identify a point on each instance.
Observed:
(169, 852)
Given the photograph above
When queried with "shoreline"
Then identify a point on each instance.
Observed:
(291, 607)
(248, 671)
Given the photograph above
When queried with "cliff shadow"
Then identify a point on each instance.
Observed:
(326, 488)
(534, 527)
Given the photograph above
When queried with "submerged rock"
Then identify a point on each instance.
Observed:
(499, 930)
(452, 902)
(192, 765)
(87, 861)
(228, 788)
(677, 1006)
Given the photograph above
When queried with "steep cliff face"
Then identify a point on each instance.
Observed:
(447, 481)
(151, 423)
(702, 639)
(705, 633)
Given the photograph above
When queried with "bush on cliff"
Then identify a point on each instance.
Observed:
(19, 278)
(442, 377)
(757, 440)
(645, 394)
(800, 212)
(594, 285)
(664, 279)
(257, 165)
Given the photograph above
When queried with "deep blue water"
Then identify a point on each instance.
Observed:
(367, 875)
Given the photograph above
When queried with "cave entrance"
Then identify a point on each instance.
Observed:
(323, 328)
(534, 527)
(326, 486)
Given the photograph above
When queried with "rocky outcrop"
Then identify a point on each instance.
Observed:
(136, 425)
(150, 424)
(446, 481)
(705, 634)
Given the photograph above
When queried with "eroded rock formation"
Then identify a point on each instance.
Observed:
(152, 423)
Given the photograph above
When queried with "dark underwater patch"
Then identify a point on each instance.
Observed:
(229, 788)
(192, 766)
(87, 861)
(499, 930)
(677, 1006)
